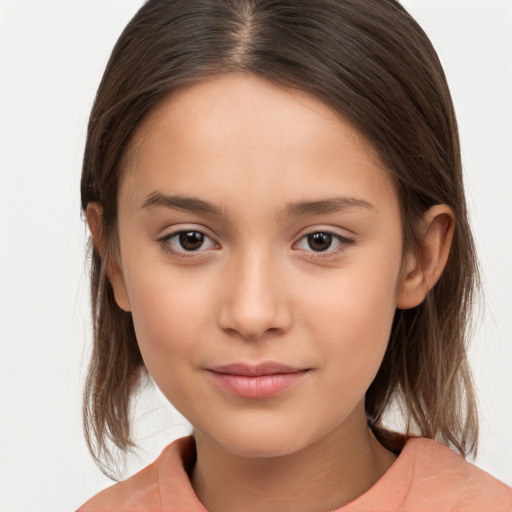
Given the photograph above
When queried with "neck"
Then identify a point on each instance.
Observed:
(323, 476)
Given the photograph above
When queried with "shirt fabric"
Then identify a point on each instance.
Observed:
(426, 477)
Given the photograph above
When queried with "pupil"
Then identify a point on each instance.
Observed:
(319, 241)
(191, 240)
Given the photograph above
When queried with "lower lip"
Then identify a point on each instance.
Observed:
(258, 386)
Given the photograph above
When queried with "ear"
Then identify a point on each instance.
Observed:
(423, 267)
(94, 216)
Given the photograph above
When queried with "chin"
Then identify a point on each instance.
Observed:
(262, 441)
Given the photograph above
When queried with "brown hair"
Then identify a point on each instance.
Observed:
(370, 62)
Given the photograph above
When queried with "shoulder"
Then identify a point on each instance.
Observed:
(445, 481)
(138, 493)
(156, 488)
(428, 476)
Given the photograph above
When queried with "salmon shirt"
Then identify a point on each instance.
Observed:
(426, 477)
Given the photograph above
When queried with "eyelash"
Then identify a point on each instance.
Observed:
(165, 243)
(343, 243)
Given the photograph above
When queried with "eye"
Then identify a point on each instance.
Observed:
(187, 241)
(323, 241)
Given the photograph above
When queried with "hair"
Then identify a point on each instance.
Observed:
(372, 64)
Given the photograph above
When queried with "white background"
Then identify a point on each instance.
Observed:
(52, 55)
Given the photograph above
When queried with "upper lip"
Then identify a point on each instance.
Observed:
(255, 370)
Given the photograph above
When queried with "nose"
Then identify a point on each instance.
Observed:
(254, 298)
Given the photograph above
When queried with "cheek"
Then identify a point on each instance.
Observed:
(169, 320)
(353, 317)
(170, 313)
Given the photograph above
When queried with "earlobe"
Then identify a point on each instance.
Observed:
(423, 267)
(113, 270)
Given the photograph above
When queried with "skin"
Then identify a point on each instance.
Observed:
(257, 290)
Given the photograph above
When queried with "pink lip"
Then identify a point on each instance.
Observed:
(260, 381)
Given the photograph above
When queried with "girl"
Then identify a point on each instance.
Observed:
(280, 239)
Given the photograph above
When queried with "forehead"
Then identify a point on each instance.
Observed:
(240, 137)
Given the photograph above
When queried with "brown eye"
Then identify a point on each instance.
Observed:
(324, 243)
(183, 243)
(191, 240)
(319, 242)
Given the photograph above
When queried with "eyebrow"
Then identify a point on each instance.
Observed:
(323, 206)
(193, 204)
(295, 209)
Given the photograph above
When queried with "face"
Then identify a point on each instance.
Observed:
(259, 253)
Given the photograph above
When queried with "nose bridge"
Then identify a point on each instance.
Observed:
(254, 297)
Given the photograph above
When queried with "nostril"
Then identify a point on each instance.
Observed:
(252, 335)
(251, 306)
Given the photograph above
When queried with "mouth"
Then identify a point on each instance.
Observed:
(264, 380)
